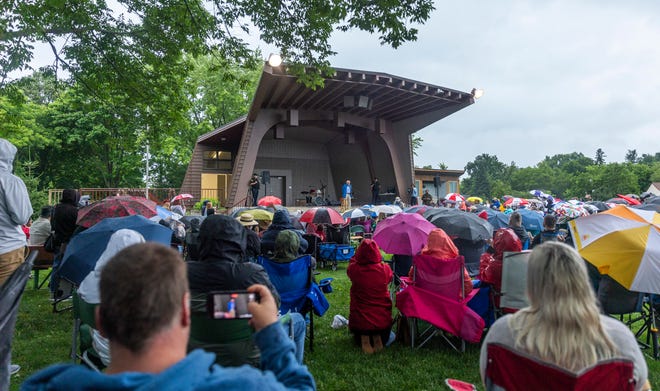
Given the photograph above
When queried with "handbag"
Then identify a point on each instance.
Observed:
(49, 244)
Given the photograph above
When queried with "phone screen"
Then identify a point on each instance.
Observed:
(230, 305)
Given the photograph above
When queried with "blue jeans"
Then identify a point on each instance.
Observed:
(299, 330)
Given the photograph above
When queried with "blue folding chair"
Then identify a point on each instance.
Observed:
(293, 281)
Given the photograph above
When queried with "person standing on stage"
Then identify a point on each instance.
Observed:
(254, 188)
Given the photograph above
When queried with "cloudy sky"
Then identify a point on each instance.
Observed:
(559, 77)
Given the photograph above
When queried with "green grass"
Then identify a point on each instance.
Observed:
(43, 338)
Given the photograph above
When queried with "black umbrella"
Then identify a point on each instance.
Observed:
(600, 205)
(460, 224)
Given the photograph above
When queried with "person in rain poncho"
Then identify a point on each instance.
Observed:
(370, 316)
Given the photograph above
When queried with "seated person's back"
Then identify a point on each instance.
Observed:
(562, 325)
(222, 266)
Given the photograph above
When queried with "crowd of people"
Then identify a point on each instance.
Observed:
(149, 296)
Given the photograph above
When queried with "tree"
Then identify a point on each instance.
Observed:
(600, 157)
(631, 156)
(483, 171)
(416, 143)
(141, 40)
(443, 166)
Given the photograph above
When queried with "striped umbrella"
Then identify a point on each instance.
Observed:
(322, 215)
(623, 243)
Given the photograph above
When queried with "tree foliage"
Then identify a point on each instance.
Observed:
(142, 41)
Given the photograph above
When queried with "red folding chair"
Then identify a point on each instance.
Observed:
(512, 370)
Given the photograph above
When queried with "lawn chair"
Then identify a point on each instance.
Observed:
(10, 298)
(230, 340)
(507, 369)
(636, 310)
(298, 293)
(514, 281)
(84, 321)
(434, 296)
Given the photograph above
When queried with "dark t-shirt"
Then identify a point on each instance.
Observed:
(375, 187)
(254, 183)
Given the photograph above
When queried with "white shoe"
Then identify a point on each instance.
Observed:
(14, 368)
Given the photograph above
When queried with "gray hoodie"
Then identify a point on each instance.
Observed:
(15, 207)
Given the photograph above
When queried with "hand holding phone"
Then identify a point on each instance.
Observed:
(230, 305)
(265, 310)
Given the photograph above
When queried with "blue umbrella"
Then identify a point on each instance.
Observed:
(85, 248)
(496, 218)
(162, 212)
(531, 220)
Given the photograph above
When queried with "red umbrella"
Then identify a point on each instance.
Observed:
(516, 201)
(454, 197)
(631, 201)
(322, 215)
(403, 233)
(269, 201)
(181, 197)
(118, 206)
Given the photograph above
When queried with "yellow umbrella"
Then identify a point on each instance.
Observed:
(475, 200)
(623, 243)
(258, 214)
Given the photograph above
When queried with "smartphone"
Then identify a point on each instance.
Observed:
(230, 305)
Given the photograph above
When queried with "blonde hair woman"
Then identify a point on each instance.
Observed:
(562, 324)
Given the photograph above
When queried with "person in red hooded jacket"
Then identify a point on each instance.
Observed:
(490, 265)
(370, 317)
(441, 246)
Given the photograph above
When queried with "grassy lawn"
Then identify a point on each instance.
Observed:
(43, 338)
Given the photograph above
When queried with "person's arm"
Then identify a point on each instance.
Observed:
(277, 349)
(18, 202)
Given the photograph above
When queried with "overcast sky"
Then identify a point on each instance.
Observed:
(559, 77)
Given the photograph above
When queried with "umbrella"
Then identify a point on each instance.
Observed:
(653, 207)
(566, 211)
(538, 193)
(475, 200)
(617, 200)
(496, 218)
(460, 224)
(269, 201)
(653, 200)
(454, 197)
(531, 220)
(322, 215)
(368, 210)
(623, 243)
(116, 206)
(85, 248)
(631, 200)
(353, 214)
(403, 233)
(387, 209)
(515, 201)
(181, 197)
(600, 205)
(417, 209)
(258, 213)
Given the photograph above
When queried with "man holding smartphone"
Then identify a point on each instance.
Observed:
(147, 321)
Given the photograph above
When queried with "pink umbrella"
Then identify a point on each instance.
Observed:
(403, 233)
(181, 197)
